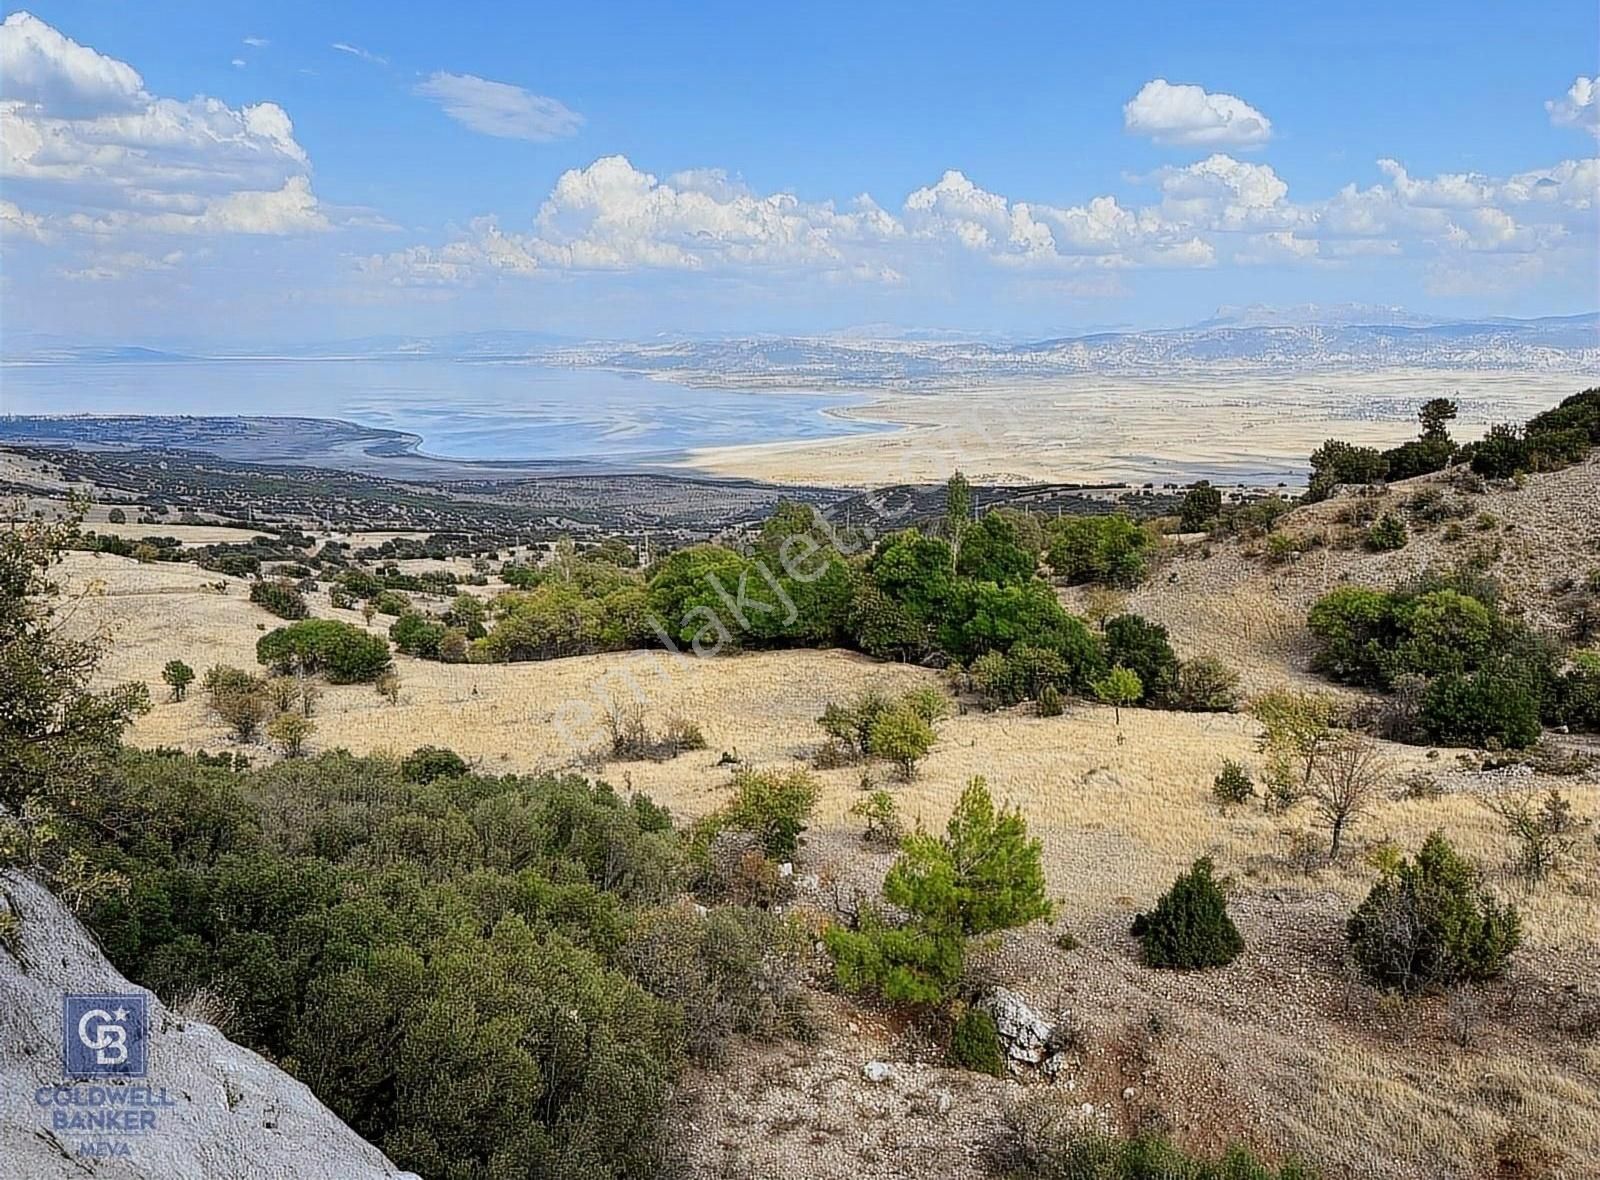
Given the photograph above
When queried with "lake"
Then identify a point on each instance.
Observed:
(461, 409)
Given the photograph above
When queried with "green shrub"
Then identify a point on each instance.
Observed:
(1022, 673)
(1109, 549)
(991, 551)
(734, 971)
(1206, 685)
(882, 818)
(874, 724)
(1577, 696)
(1233, 784)
(1491, 707)
(1050, 703)
(850, 724)
(1500, 454)
(975, 1043)
(1142, 647)
(280, 598)
(347, 654)
(426, 763)
(1372, 637)
(773, 806)
(1202, 505)
(1387, 534)
(1336, 462)
(417, 635)
(1119, 688)
(1429, 923)
(900, 735)
(391, 602)
(1190, 929)
(1419, 457)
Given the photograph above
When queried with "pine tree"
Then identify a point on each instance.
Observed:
(984, 874)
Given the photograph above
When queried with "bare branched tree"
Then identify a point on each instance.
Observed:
(1349, 775)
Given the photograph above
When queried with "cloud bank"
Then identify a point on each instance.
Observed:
(94, 153)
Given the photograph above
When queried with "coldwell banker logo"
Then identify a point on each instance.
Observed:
(105, 1036)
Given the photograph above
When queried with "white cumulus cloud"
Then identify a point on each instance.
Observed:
(1190, 116)
(499, 108)
(92, 151)
(1579, 107)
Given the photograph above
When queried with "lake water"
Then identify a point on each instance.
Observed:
(464, 410)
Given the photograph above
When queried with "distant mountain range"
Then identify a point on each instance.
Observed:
(1243, 340)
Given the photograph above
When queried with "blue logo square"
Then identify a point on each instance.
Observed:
(105, 1036)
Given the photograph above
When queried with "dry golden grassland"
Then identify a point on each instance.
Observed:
(1279, 1048)
(1225, 599)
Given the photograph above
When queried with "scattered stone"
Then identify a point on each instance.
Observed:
(877, 1072)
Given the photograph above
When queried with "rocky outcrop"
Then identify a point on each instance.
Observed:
(1026, 1036)
(218, 1111)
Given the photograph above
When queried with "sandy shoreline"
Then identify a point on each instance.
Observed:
(1250, 429)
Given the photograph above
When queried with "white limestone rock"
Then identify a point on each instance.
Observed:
(234, 1115)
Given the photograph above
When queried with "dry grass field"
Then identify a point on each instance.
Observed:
(1225, 599)
(1281, 1049)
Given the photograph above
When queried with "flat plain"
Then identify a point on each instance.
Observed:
(1251, 429)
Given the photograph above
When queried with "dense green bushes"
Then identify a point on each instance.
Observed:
(1550, 441)
(1142, 648)
(1337, 462)
(417, 635)
(1371, 637)
(281, 598)
(1109, 549)
(1491, 706)
(343, 652)
(1478, 677)
(912, 596)
(499, 937)
(1428, 922)
(733, 971)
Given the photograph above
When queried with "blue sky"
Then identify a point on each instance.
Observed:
(260, 174)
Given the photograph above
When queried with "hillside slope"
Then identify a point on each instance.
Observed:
(1229, 599)
(235, 1116)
